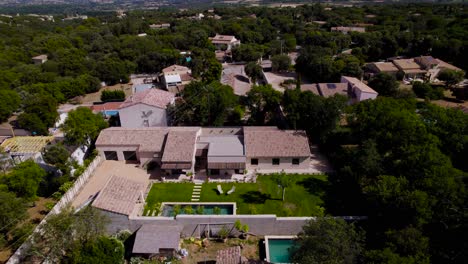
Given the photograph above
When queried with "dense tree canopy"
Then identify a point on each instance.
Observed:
(25, 178)
(328, 240)
(82, 126)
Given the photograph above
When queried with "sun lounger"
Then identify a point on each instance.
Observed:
(233, 189)
(220, 190)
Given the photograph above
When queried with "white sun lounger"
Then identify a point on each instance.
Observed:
(232, 190)
(220, 190)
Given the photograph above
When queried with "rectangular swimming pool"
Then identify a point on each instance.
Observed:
(168, 209)
(278, 248)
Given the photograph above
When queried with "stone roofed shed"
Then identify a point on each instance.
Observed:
(272, 148)
(146, 109)
(224, 40)
(157, 240)
(120, 195)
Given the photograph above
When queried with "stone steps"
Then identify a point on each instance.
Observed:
(196, 191)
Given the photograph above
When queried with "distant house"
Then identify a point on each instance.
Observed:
(224, 42)
(146, 109)
(382, 67)
(358, 90)
(410, 68)
(160, 26)
(107, 109)
(346, 30)
(175, 77)
(219, 151)
(434, 66)
(39, 59)
(351, 87)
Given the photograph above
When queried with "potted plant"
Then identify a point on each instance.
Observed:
(176, 209)
(217, 210)
(223, 234)
(199, 210)
(188, 209)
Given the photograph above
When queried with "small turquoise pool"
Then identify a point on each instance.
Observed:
(206, 209)
(279, 250)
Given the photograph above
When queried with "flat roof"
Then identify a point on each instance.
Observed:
(119, 195)
(150, 238)
(225, 145)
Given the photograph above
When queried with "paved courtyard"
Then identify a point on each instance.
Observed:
(103, 173)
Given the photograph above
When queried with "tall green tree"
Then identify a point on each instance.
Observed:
(207, 104)
(384, 84)
(10, 102)
(262, 102)
(280, 63)
(328, 240)
(451, 77)
(82, 126)
(254, 71)
(25, 178)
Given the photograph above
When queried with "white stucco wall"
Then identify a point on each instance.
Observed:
(132, 116)
(285, 164)
(361, 96)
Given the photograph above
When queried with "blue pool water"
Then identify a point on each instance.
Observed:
(111, 112)
(208, 209)
(280, 250)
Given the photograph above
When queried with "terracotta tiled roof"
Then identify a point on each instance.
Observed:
(272, 142)
(147, 139)
(106, 106)
(230, 255)
(176, 68)
(180, 146)
(358, 84)
(152, 97)
(385, 67)
(119, 195)
(406, 64)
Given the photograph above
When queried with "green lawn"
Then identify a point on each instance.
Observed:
(303, 198)
(167, 192)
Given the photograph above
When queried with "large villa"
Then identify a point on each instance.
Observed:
(209, 151)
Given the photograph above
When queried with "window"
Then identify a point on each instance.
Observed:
(295, 161)
(111, 155)
(275, 161)
(214, 172)
(254, 161)
(130, 155)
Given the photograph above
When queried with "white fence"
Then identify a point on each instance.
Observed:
(66, 198)
(76, 188)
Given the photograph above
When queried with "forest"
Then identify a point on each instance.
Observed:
(399, 161)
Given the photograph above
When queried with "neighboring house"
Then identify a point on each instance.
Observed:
(224, 42)
(160, 26)
(326, 89)
(39, 59)
(358, 90)
(20, 149)
(107, 109)
(434, 66)
(175, 77)
(351, 87)
(410, 68)
(382, 67)
(218, 151)
(346, 30)
(146, 109)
